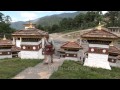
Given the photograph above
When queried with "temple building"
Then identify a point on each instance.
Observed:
(5, 48)
(99, 40)
(30, 40)
(70, 51)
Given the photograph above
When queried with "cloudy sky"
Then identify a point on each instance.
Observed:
(30, 15)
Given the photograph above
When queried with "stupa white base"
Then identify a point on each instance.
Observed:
(98, 61)
(5, 56)
(31, 54)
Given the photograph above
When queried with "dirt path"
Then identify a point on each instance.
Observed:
(40, 71)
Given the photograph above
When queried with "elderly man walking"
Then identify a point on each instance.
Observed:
(48, 49)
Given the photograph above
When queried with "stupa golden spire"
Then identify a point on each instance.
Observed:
(99, 27)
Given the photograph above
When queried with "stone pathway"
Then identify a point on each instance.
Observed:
(40, 71)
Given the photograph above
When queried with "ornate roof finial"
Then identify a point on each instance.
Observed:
(4, 38)
(30, 24)
(99, 27)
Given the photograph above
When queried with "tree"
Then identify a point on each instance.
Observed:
(112, 18)
(8, 19)
(63, 23)
(67, 23)
(1, 17)
(84, 21)
(40, 27)
(5, 25)
(55, 28)
(79, 20)
(47, 29)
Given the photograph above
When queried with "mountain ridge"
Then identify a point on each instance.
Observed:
(46, 20)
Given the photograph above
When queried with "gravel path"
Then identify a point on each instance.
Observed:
(40, 71)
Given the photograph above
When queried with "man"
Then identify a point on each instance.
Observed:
(48, 49)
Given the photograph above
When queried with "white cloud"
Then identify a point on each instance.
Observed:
(104, 12)
(14, 19)
(52, 11)
(28, 15)
(45, 12)
(31, 15)
(64, 11)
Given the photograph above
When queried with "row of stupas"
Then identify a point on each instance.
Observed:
(26, 44)
(101, 51)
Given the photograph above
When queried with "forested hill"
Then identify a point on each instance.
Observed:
(47, 20)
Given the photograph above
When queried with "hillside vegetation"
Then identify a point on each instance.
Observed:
(84, 21)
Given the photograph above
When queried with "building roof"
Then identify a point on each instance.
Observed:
(71, 44)
(65, 51)
(5, 42)
(99, 32)
(31, 32)
(114, 49)
(95, 33)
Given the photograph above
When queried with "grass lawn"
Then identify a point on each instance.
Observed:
(11, 67)
(74, 70)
